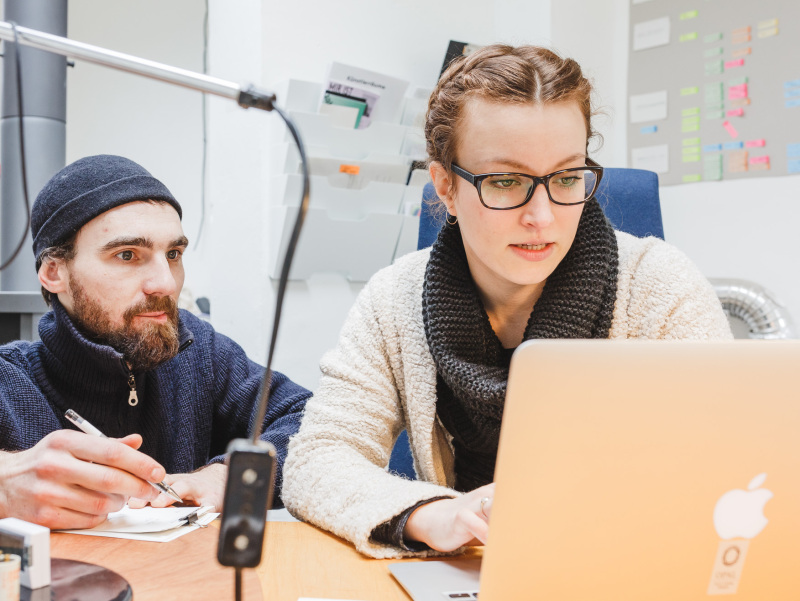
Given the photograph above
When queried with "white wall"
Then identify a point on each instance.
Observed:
(596, 35)
(155, 124)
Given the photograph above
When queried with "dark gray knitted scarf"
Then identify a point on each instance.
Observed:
(472, 366)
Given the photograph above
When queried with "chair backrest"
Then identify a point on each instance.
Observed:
(630, 200)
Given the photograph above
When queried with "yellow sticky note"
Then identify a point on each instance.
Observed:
(689, 14)
(689, 91)
(688, 37)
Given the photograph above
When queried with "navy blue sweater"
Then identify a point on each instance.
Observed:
(189, 407)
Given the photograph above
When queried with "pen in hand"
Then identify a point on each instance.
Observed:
(90, 429)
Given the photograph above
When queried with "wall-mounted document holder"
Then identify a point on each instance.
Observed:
(319, 130)
(354, 248)
(362, 213)
(340, 203)
(344, 172)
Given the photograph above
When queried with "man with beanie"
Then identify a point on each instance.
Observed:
(167, 390)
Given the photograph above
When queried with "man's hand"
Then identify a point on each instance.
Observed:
(205, 486)
(448, 524)
(72, 480)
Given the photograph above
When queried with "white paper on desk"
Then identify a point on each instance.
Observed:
(652, 158)
(157, 524)
(649, 34)
(648, 107)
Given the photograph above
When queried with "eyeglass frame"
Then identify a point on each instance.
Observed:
(477, 178)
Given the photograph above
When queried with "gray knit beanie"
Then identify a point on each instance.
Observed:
(85, 189)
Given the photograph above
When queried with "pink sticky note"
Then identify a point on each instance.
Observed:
(739, 91)
(730, 129)
(735, 112)
(755, 143)
(737, 63)
(757, 160)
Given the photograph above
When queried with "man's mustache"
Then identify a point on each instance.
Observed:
(153, 304)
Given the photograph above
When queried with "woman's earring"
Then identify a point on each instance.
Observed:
(453, 222)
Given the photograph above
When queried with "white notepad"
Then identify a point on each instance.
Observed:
(157, 524)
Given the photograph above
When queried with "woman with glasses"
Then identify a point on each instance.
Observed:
(526, 253)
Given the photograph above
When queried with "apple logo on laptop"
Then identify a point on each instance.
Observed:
(740, 513)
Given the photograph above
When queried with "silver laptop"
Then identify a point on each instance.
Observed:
(640, 470)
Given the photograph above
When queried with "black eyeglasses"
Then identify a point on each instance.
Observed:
(505, 191)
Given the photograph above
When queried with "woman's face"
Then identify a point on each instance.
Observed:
(519, 247)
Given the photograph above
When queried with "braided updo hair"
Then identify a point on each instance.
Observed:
(501, 73)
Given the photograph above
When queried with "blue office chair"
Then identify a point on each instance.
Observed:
(629, 198)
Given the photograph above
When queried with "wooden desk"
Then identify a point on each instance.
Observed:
(183, 569)
(303, 561)
(299, 561)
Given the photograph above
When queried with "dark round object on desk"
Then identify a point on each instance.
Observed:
(78, 581)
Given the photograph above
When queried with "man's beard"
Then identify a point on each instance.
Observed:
(143, 347)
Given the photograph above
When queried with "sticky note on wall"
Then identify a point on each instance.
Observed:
(739, 62)
(739, 91)
(730, 129)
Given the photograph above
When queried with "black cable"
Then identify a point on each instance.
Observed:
(22, 162)
(284, 278)
(237, 586)
(204, 111)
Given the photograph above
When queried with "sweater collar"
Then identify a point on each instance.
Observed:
(72, 352)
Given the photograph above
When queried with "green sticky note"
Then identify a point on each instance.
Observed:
(712, 37)
(694, 110)
(690, 120)
(715, 114)
(689, 91)
(738, 81)
(690, 158)
(689, 14)
(694, 177)
(690, 150)
(714, 174)
(687, 127)
(714, 68)
(691, 141)
(713, 52)
(688, 37)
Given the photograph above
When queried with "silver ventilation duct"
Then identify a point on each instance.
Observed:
(753, 311)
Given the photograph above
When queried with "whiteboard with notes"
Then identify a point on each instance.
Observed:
(714, 89)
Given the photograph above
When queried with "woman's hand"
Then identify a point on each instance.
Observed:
(448, 524)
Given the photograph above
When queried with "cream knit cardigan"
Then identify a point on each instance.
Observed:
(381, 379)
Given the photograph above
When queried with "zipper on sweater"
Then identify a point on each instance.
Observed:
(133, 398)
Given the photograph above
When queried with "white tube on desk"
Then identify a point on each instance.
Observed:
(9, 577)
